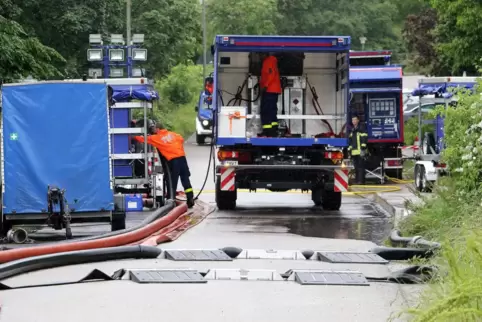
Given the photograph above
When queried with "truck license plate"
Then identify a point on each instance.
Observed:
(230, 163)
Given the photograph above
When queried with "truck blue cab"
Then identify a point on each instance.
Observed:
(309, 154)
(204, 113)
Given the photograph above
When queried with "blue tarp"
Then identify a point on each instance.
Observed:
(375, 74)
(125, 93)
(56, 134)
(443, 89)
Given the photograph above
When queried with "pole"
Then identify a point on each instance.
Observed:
(128, 27)
(204, 37)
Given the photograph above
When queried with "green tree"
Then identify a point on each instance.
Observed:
(369, 18)
(459, 33)
(172, 29)
(22, 55)
(242, 17)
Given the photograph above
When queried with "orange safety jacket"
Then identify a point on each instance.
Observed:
(270, 78)
(169, 144)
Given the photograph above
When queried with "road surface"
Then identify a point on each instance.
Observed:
(263, 221)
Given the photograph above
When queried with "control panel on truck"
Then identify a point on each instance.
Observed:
(307, 152)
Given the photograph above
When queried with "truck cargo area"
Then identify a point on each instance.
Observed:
(307, 152)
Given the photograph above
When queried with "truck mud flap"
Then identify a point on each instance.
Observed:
(228, 182)
(341, 180)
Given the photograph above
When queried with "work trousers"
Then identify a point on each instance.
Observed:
(180, 169)
(359, 165)
(269, 112)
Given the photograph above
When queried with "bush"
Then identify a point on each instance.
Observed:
(410, 129)
(452, 215)
(179, 93)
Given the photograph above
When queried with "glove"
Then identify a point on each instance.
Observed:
(363, 153)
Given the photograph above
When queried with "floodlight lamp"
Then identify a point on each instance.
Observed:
(116, 54)
(95, 39)
(139, 54)
(94, 54)
(95, 72)
(116, 72)
(138, 72)
(117, 39)
(138, 38)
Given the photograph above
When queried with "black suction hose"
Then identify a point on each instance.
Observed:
(396, 238)
(31, 264)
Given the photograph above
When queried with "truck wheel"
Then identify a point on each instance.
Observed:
(225, 200)
(331, 200)
(200, 139)
(118, 221)
(426, 185)
(316, 195)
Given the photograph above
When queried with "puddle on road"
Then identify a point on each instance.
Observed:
(374, 229)
(362, 222)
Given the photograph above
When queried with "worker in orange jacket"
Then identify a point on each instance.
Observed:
(209, 86)
(171, 146)
(270, 86)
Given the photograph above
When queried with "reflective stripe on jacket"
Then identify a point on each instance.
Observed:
(270, 78)
(357, 140)
(169, 144)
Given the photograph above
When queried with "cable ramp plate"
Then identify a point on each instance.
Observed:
(231, 253)
(303, 277)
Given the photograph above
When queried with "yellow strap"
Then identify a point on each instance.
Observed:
(269, 126)
(188, 190)
(274, 123)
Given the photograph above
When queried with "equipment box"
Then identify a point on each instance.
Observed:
(133, 203)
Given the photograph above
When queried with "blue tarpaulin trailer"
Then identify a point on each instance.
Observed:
(55, 155)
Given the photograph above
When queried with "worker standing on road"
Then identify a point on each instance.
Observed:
(171, 146)
(270, 86)
(357, 146)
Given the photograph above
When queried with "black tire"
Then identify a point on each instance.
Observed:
(418, 177)
(316, 196)
(200, 139)
(331, 200)
(395, 173)
(118, 221)
(225, 200)
(427, 187)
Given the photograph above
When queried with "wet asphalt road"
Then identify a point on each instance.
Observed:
(290, 213)
(285, 221)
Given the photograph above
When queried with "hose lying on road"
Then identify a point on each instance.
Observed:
(401, 254)
(31, 264)
(397, 239)
(112, 241)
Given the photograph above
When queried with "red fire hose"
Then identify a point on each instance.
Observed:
(118, 240)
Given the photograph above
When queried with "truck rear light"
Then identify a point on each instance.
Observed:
(394, 163)
(334, 155)
(226, 155)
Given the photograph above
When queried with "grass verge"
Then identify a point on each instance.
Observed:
(454, 219)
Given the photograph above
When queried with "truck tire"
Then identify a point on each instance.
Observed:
(316, 196)
(225, 200)
(118, 221)
(200, 139)
(418, 178)
(331, 200)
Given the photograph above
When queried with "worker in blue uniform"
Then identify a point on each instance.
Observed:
(270, 86)
(357, 147)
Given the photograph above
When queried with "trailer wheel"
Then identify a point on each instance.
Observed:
(225, 200)
(331, 200)
(118, 221)
(200, 139)
(426, 185)
(419, 174)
